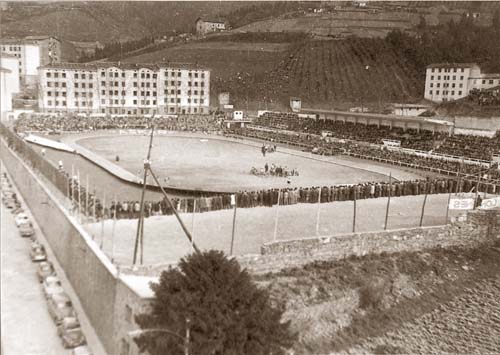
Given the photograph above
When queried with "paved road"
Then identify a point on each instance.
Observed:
(26, 324)
(27, 328)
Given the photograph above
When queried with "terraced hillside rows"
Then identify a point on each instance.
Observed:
(470, 324)
(354, 70)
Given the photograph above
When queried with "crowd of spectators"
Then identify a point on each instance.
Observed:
(485, 97)
(77, 123)
(289, 196)
(467, 146)
(322, 146)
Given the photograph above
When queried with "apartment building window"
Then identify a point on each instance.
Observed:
(491, 82)
(123, 93)
(135, 102)
(103, 92)
(48, 75)
(172, 82)
(454, 77)
(202, 101)
(116, 83)
(147, 85)
(172, 110)
(195, 83)
(195, 110)
(103, 83)
(91, 76)
(430, 92)
(203, 74)
(484, 81)
(91, 95)
(49, 93)
(49, 103)
(195, 75)
(431, 85)
(135, 93)
(154, 102)
(123, 75)
(189, 92)
(110, 92)
(438, 85)
(148, 76)
(461, 77)
(116, 92)
(437, 92)
(64, 94)
(202, 84)
(116, 102)
(462, 70)
(56, 93)
(76, 103)
(135, 75)
(179, 74)
(172, 100)
(154, 85)
(135, 84)
(91, 86)
(440, 70)
(189, 83)
(178, 101)
(195, 101)
(190, 74)
(103, 74)
(49, 84)
(460, 93)
(155, 76)
(56, 75)
(189, 101)
(202, 92)
(178, 92)
(432, 77)
(56, 85)
(64, 75)
(83, 76)
(76, 85)
(83, 85)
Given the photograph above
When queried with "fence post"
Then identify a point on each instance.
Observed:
(233, 200)
(276, 217)
(354, 215)
(388, 201)
(423, 209)
(318, 212)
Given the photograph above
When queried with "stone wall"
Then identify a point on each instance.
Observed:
(88, 270)
(481, 226)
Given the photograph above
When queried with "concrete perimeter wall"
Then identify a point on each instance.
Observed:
(91, 274)
(481, 226)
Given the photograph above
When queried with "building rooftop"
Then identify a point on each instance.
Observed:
(40, 37)
(140, 284)
(210, 20)
(452, 65)
(124, 66)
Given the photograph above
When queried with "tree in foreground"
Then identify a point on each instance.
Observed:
(226, 313)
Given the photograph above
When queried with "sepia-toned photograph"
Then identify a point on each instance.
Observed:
(250, 177)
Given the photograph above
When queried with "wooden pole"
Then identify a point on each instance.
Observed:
(102, 218)
(448, 208)
(192, 224)
(354, 215)
(234, 226)
(113, 230)
(277, 215)
(388, 201)
(318, 212)
(423, 209)
(138, 235)
(79, 198)
(87, 197)
(183, 226)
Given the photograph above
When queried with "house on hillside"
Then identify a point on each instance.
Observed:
(209, 26)
(453, 81)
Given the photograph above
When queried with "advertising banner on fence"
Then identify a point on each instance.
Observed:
(461, 204)
(491, 203)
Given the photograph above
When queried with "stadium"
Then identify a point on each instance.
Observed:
(320, 190)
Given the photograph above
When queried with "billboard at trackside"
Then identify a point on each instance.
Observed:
(491, 203)
(461, 204)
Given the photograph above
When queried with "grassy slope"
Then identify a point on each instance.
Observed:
(330, 307)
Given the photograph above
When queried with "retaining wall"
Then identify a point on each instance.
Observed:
(91, 274)
(480, 227)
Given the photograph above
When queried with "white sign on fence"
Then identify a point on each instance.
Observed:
(462, 204)
(491, 203)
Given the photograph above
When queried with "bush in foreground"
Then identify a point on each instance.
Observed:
(226, 312)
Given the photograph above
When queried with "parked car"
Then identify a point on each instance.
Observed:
(60, 307)
(10, 203)
(22, 218)
(51, 286)
(81, 350)
(37, 252)
(45, 269)
(26, 230)
(70, 332)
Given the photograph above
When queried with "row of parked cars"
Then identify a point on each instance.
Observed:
(59, 303)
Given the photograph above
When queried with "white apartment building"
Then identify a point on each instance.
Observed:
(453, 81)
(9, 82)
(125, 88)
(32, 52)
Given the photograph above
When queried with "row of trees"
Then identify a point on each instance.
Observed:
(117, 48)
(463, 41)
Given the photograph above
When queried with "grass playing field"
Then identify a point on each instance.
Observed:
(164, 241)
(219, 165)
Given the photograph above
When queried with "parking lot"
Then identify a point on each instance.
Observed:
(27, 327)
